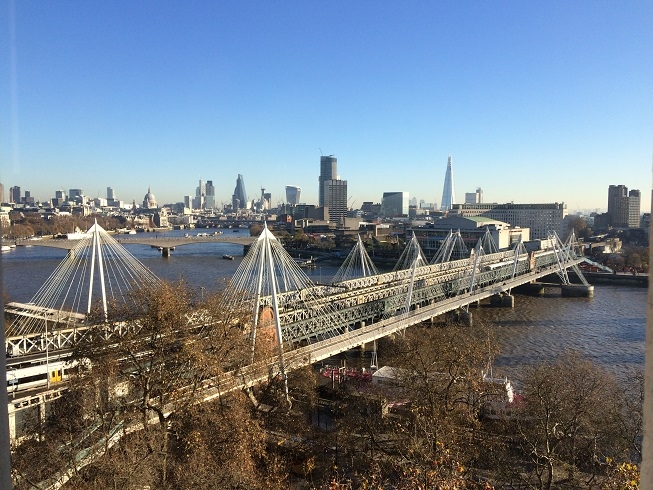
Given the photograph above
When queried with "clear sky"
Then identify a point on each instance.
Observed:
(535, 101)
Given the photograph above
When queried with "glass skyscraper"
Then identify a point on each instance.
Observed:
(448, 196)
(239, 199)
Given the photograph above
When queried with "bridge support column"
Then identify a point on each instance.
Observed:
(532, 289)
(466, 318)
(577, 291)
(165, 252)
(503, 300)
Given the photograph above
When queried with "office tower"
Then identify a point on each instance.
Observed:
(209, 200)
(623, 206)
(200, 194)
(335, 199)
(239, 198)
(111, 196)
(293, 194)
(14, 194)
(2, 193)
(59, 198)
(394, 204)
(188, 202)
(75, 194)
(474, 197)
(634, 200)
(328, 171)
(267, 199)
(448, 195)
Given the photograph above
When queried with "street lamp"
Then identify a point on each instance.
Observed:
(47, 358)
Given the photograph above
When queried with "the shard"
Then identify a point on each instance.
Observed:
(448, 197)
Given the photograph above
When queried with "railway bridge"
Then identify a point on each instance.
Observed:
(311, 321)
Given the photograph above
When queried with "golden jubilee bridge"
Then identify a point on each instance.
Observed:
(311, 321)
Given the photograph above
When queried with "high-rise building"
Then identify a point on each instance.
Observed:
(200, 194)
(474, 197)
(335, 199)
(2, 193)
(209, 201)
(293, 194)
(328, 171)
(448, 195)
(110, 194)
(623, 206)
(333, 191)
(14, 194)
(239, 198)
(75, 195)
(634, 201)
(60, 198)
(394, 204)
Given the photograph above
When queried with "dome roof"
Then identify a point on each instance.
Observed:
(149, 201)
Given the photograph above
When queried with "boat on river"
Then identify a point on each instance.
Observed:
(228, 257)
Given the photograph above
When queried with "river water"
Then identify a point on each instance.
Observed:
(609, 328)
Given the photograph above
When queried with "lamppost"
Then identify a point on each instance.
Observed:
(47, 350)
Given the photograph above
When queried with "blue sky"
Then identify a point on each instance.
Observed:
(535, 101)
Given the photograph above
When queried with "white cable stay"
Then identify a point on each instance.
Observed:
(97, 269)
(412, 256)
(269, 281)
(357, 264)
(452, 248)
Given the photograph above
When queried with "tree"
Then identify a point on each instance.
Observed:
(223, 436)
(579, 225)
(173, 349)
(571, 419)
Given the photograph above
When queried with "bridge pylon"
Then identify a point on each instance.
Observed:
(357, 264)
(97, 268)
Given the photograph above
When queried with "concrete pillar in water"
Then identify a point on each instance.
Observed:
(496, 300)
(532, 289)
(466, 318)
(577, 291)
(165, 252)
(508, 301)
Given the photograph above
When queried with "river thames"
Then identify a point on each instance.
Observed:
(608, 328)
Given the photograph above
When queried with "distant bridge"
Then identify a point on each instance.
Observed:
(163, 242)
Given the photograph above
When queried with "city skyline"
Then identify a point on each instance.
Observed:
(536, 103)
